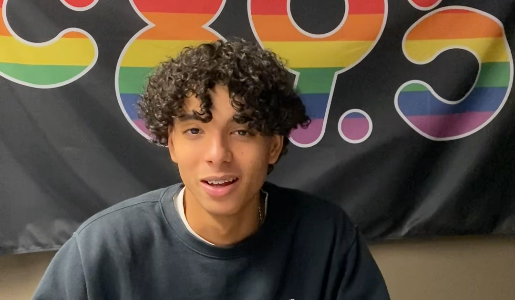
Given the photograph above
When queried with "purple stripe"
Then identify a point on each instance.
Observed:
(310, 134)
(141, 125)
(445, 126)
(355, 128)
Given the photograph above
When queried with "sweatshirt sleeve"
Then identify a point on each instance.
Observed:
(362, 279)
(64, 278)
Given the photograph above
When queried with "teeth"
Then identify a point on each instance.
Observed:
(220, 181)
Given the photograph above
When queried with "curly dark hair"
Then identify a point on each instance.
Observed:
(259, 88)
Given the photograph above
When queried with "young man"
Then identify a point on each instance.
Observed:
(224, 110)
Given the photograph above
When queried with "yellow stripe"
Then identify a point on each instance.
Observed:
(76, 52)
(323, 54)
(488, 49)
(149, 53)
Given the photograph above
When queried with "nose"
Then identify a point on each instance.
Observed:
(218, 150)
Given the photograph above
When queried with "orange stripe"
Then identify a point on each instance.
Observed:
(455, 26)
(5, 32)
(3, 29)
(74, 35)
(356, 28)
(177, 27)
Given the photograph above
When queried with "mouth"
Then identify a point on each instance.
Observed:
(221, 182)
(219, 186)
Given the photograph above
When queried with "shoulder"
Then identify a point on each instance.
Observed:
(122, 215)
(315, 213)
(305, 202)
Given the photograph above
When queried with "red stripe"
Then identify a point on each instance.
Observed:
(366, 7)
(179, 6)
(425, 3)
(79, 3)
(278, 7)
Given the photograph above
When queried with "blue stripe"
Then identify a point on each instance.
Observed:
(129, 103)
(316, 104)
(424, 103)
(354, 115)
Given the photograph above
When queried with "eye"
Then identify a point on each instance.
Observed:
(242, 133)
(192, 131)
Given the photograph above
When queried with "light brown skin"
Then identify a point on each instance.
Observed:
(217, 148)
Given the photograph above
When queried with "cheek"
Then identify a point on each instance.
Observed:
(252, 159)
(187, 155)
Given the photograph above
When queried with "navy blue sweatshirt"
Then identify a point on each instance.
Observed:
(307, 249)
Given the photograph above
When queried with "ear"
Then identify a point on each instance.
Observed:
(276, 147)
(171, 148)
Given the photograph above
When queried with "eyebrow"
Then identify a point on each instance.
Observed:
(188, 117)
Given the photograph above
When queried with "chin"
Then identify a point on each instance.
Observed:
(221, 208)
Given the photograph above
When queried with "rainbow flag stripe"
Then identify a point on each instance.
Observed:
(425, 4)
(463, 28)
(317, 60)
(173, 25)
(354, 126)
(79, 3)
(45, 65)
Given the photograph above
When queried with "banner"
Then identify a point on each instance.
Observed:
(411, 100)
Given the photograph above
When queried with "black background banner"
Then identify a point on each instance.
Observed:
(69, 150)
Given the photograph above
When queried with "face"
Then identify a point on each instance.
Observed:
(222, 164)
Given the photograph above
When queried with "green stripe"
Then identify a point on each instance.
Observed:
(319, 80)
(414, 87)
(316, 80)
(495, 74)
(132, 80)
(40, 74)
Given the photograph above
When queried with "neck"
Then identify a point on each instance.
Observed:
(223, 230)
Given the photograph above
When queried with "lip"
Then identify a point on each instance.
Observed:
(223, 177)
(219, 191)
